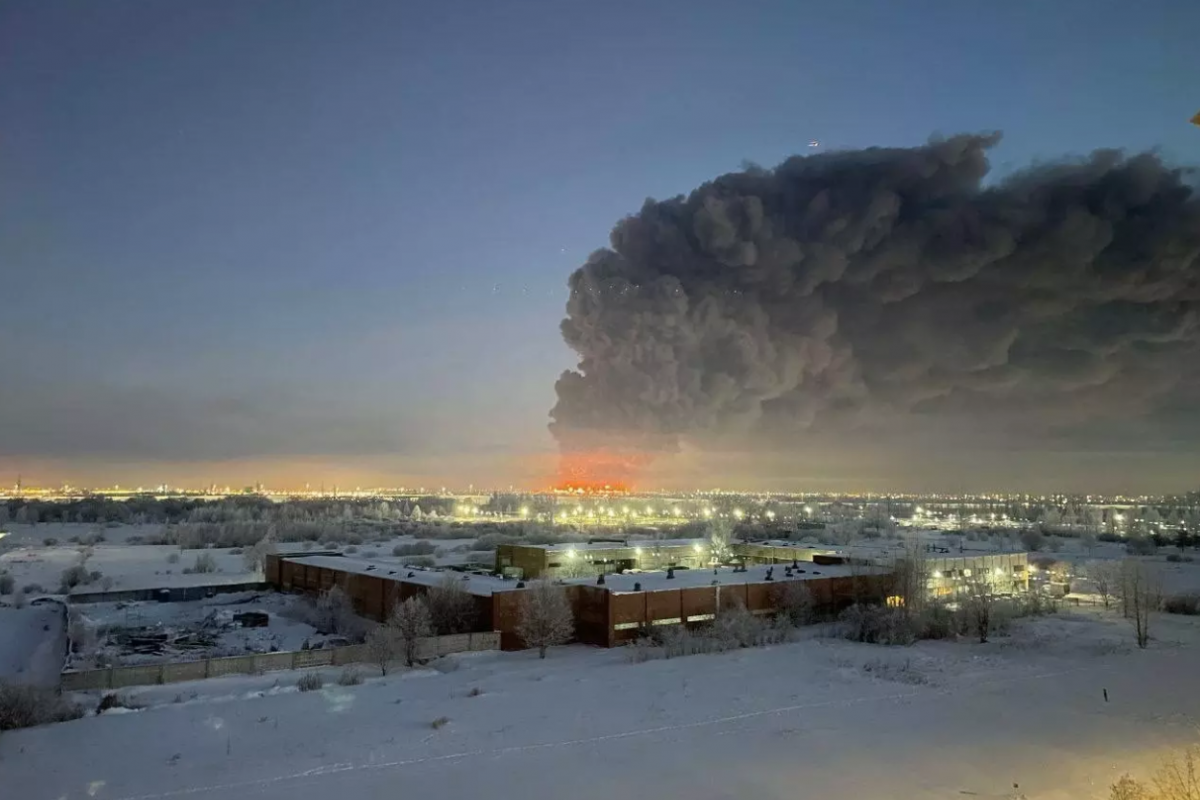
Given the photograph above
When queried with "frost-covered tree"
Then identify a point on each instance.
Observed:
(383, 647)
(546, 616)
(255, 556)
(410, 623)
(720, 540)
(451, 606)
(334, 614)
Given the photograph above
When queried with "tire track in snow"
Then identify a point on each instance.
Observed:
(337, 769)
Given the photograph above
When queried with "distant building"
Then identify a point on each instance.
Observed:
(584, 559)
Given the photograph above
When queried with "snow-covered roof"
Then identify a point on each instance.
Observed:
(483, 585)
(625, 545)
(725, 576)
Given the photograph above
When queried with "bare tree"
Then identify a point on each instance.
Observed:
(382, 647)
(1105, 577)
(793, 601)
(979, 603)
(451, 607)
(912, 575)
(1141, 594)
(546, 616)
(410, 623)
(1175, 780)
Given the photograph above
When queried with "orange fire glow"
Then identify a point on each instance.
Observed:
(598, 472)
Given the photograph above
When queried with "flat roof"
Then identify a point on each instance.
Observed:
(482, 585)
(725, 576)
(648, 544)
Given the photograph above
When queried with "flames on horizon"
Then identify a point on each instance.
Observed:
(599, 472)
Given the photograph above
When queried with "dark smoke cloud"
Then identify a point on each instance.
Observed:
(874, 287)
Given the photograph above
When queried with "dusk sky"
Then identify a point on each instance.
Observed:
(329, 241)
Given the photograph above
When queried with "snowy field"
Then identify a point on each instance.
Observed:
(38, 555)
(821, 718)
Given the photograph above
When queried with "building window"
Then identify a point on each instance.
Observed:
(626, 626)
(668, 621)
(701, 617)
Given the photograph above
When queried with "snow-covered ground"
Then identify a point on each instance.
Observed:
(208, 627)
(38, 555)
(32, 644)
(821, 718)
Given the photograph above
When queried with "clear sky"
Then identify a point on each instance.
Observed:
(329, 241)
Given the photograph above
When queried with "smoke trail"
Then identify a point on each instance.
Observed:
(865, 288)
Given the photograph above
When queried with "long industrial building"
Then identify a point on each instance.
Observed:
(606, 614)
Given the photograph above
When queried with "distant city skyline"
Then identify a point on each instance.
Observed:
(304, 242)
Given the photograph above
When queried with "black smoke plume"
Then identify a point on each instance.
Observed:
(866, 288)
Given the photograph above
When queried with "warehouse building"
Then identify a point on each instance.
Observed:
(606, 614)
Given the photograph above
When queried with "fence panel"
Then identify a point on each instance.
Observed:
(136, 676)
(457, 643)
(85, 680)
(174, 672)
(312, 658)
(271, 662)
(232, 665)
(184, 671)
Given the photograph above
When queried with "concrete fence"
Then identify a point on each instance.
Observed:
(258, 663)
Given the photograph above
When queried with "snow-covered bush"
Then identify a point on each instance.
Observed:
(77, 575)
(310, 682)
(7, 583)
(204, 563)
(421, 548)
(25, 706)
(877, 625)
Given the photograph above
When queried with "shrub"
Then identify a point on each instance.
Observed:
(936, 621)
(420, 561)
(736, 627)
(421, 548)
(440, 722)
(72, 577)
(1176, 558)
(451, 607)
(350, 677)
(33, 588)
(794, 601)
(475, 692)
(1140, 546)
(205, 563)
(173, 558)
(310, 682)
(236, 551)
(1032, 539)
(114, 700)
(7, 583)
(50, 541)
(1187, 604)
(876, 625)
(25, 706)
(351, 550)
